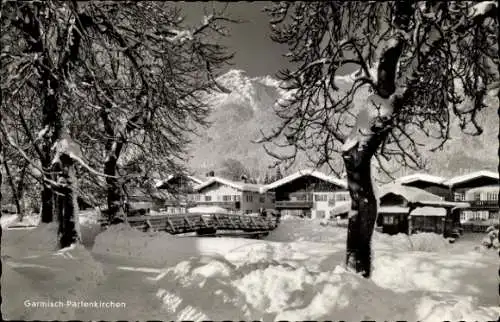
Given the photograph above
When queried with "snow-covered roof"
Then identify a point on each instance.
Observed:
(471, 176)
(421, 177)
(446, 204)
(491, 188)
(307, 172)
(419, 196)
(238, 185)
(393, 209)
(411, 194)
(429, 212)
(160, 183)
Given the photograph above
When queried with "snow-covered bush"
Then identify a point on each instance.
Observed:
(491, 239)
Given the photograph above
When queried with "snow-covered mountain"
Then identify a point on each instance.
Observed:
(239, 117)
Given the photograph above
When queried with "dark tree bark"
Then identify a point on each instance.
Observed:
(114, 195)
(51, 119)
(67, 206)
(52, 122)
(357, 160)
(113, 150)
(20, 189)
(13, 189)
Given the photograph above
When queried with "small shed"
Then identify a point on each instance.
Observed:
(427, 219)
(393, 219)
(394, 197)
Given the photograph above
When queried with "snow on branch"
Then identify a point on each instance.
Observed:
(483, 8)
(66, 146)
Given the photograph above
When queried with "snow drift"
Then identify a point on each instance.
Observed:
(35, 271)
(298, 274)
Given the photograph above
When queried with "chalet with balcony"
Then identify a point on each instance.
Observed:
(404, 209)
(234, 196)
(312, 194)
(175, 194)
(430, 183)
(480, 190)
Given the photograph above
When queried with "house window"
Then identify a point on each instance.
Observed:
(493, 215)
(462, 216)
(226, 198)
(477, 196)
(388, 220)
(342, 196)
(262, 199)
(459, 196)
(236, 198)
(492, 196)
(208, 198)
(249, 198)
(320, 198)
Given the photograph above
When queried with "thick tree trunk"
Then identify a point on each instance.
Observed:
(364, 210)
(15, 196)
(20, 190)
(67, 205)
(114, 195)
(370, 131)
(113, 150)
(47, 204)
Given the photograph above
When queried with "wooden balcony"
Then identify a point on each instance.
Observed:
(294, 204)
(483, 204)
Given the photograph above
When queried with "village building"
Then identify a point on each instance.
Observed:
(430, 183)
(404, 209)
(311, 194)
(480, 190)
(175, 194)
(234, 196)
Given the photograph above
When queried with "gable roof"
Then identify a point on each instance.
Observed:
(160, 183)
(411, 194)
(307, 172)
(471, 176)
(421, 177)
(490, 188)
(238, 185)
(418, 196)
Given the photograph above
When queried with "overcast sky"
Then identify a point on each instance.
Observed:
(255, 52)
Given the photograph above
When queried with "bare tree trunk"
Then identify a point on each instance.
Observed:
(67, 205)
(13, 188)
(20, 189)
(113, 190)
(364, 206)
(357, 159)
(113, 150)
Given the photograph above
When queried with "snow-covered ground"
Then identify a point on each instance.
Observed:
(296, 273)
